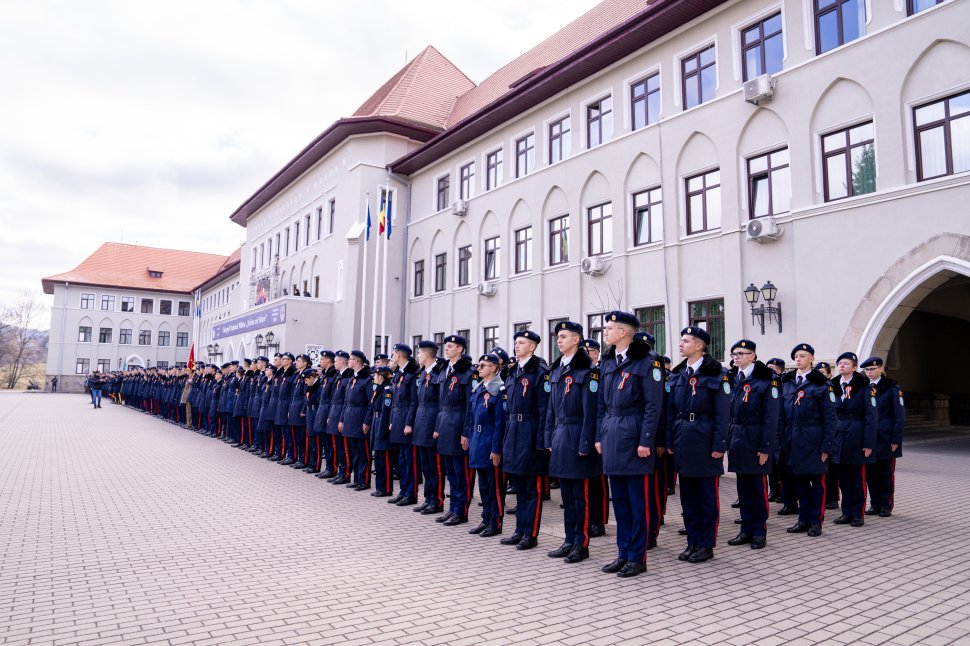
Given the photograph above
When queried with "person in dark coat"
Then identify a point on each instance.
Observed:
(256, 403)
(485, 424)
(891, 410)
(286, 378)
(629, 411)
(777, 365)
(267, 413)
(699, 416)
(599, 486)
(523, 457)
(808, 424)
(380, 411)
(657, 500)
(753, 433)
(569, 434)
(454, 389)
(311, 397)
(404, 407)
(343, 470)
(427, 387)
(297, 424)
(855, 437)
(355, 420)
(322, 445)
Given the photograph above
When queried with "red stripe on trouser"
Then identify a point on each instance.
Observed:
(646, 498)
(585, 513)
(656, 498)
(824, 498)
(389, 484)
(316, 465)
(414, 471)
(865, 491)
(346, 458)
(764, 487)
(272, 440)
(604, 487)
(366, 463)
(717, 504)
(441, 482)
(306, 448)
(498, 497)
(468, 487)
(535, 521)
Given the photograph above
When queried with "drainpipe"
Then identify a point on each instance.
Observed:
(60, 357)
(404, 256)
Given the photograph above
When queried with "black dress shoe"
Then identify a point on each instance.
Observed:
(758, 542)
(596, 530)
(361, 487)
(329, 473)
(527, 543)
(406, 502)
(511, 510)
(298, 465)
(350, 485)
(444, 517)
(857, 522)
(577, 554)
(490, 531)
(275, 458)
(683, 556)
(479, 528)
(682, 532)
(832, 504)
(670, 491)
(429, 511)
(842, 520)
(420, 507)
(511, 540)
(394, 500)
(798, 528)
(871, 511)
(787, 511)
(737, 521)
(736, 504)
(287, 461)
(700, 555)
(631, 569)
(561, 552)
(382, 494)
(815, 530)
(614, 567)
(740, 539)
(455, 520)
(885, 512)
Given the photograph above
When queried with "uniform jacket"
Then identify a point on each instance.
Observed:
(426, 387)
(357, 398)
(327, 382)
(527, 395)
(381, 409)
(311, 403)
(404, 406)
(337, 403)
(857, 418)
(453, 394)
(485, 423)
(892, 418)
(754, 420)
(570, 424)
(699, 414)
(808, 422)
(267, 407)
(284, 395)
(297, 401)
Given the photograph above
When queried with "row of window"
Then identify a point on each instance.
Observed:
(218, 298)
(128, 304)
(708, 314)
(83, 365)
(762, 52)
(105, 334)
(289, 239)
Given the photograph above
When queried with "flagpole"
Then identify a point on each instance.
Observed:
(387, 228)
(377, 277)
(363, 283)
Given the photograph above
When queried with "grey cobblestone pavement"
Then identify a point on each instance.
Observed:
(119, 528)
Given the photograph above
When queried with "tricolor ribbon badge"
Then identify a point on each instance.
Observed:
(747, 391)
(798, 399)
(693, 386)
(487, 397)
(427, 379)
(569, 382)
(525, 386)
(848, 392)
(626, 375)
(454, 380)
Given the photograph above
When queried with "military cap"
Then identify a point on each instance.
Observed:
(666, 359)
(744, 344)
(501, 354)
(823, 365)
(383, 370)
(308, 372)
(528, 334)
(775, 361)
(428, 345)
(570, 326)
(697, 333)
(403, 347)
(288, 355)
(619, 316)
(225, 365)
(271, 368)
(234, 362)
(851, 356)
(490, 357)
(262, 358)
(646, 337)
(341, 353)
(360, 355)
(381, 357)
(872, 362)
(305, 357)
(277, 355)
(457, 338)
(591, 344)
(803, 346)
(247, 360)
(327, 353)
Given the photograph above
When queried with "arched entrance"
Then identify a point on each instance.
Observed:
(918, 318)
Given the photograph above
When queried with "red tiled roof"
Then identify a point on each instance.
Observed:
(423, 92)
(126, 266)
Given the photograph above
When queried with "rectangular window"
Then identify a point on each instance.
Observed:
(145, 337)
(319, 222)
(147, 305)
(415, 340)
(769, 184)
(316, 287)
(443, 189)
(124, 336)
(466, 181)
(526, 325)
(915, 6)
(165, 307)
(849, 162)
(164, 337)
(84, 334)
(184, 308)
(709, 315)
(838, 22)
(525, 154)
(493, 169)
(652, 321)
(182, 339)
(599, 229)
(104, 365)
(104, 335)
(306, 230)
(594, 326)
(439, 338)
(559, 240)
(253, 263)
(127, 303)
(380, 348)
(262, 255)
(699, 72)
(523, 250)
(554, 352)
(440, 272)
(599, 122)
(943, 137)
(468, 337)
(704, 202)
(559, 139)
(296, 237)
(762, 49)
(491, 256)
(82, 366)
(87, 301)
(648, 216)
(331, 214)
(645, 101)
(286, 242)
(489, 338)
(419, 278)
(278, 245)
(163, 365)
(464, 263)
(107, 303)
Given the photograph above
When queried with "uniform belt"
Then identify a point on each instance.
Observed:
(520, 417)
(690, 417)
(571, 420)
(622, 411)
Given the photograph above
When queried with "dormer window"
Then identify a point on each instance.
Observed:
(154, 273)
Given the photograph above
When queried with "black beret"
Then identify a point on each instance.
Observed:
(646, 337)
(570, 326)
(234, 362)
(665, 359)
(501, 354)
(288, 355)
(428, 345)
(823, 365)
(697, 333)
(591, 344)
(528, 334)
(803, 346)
(308, 372)
(277, 355)
(490, 357)
(225, 365)
(247, 360)
(851, 356)
(403, 347)
(457, 338)
(872, 362)
(327, 353)
(775, 361)
(305, 357)
(262, 358)
(271, 368)
(380, 357)
(383, 370)
(747, 344)
(341, 353)
(619, 316)
(360, 355)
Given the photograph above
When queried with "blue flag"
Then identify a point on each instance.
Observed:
(367, 234)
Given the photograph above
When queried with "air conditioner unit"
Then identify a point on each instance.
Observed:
(486, 288)
(762, 230)
(593, 266)
(459, 208)
(759, 89)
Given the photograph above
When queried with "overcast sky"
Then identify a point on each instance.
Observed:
(150, 122)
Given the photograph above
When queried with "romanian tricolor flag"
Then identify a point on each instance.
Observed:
(191, 363)
(382, 216)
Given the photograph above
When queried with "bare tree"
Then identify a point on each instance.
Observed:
(20, 344)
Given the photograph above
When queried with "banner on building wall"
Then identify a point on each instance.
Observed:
(262, 291)
(252, 321)
(313, 350)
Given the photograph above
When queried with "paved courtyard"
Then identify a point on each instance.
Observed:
(118, 528)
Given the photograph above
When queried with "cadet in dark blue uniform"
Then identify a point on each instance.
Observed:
(403, 409)
(298, 435)
(599, 486)
(569, 433)
(523, 457)
(453, 392)
(881, 475)
(286, 380)
(808, 423)
(321, 444)
(355, 420)
(753, 433)
(380, 411)
(855, 437)
(425, 417)
(777, 366)
(341, 466)
(311, 397)
(629, 413)
(699, 415)
(484, 430)
(267, 413)
(657, 501)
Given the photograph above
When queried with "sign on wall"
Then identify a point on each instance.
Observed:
(252, 321)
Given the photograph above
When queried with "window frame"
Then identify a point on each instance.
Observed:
(87, 301)
(167, 336)
(947, 134)
(656, 327)
(144, 337)
(847, 151)
(523, 250)
(440, 272)
(771, 188)
(636, 101)
(559, 134)
(179, 336)
(161, 307)
(524, 148)
(597, 121)
(464, 264)
(562, 233)
(188, 308)
(493, 168)
(110, 300)
(331, 215)
(442, 187)
(704, 198)
(490, 336)
(418, 277)
(551, 326)
(150, 306)
(130, 301)
(704, 322)
(466, 181)
(123, 333)
(491, 257)
(82, 366)
(598, 224)
(836, 6)
(686, 76)
(105, 334)
(85, 333)
(760, 43)
(649, 210)
(911, 7)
